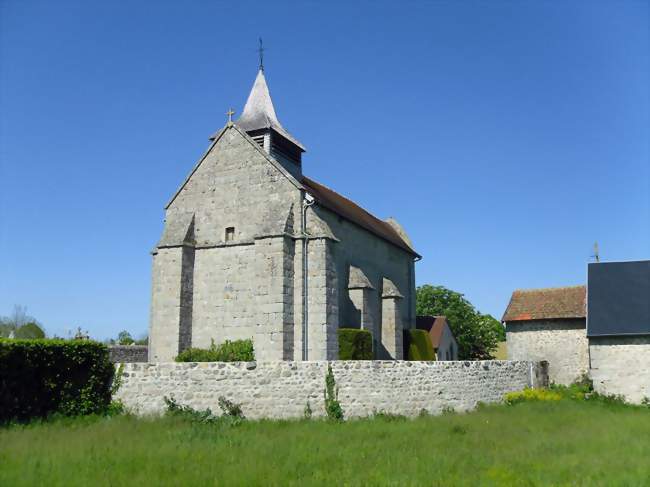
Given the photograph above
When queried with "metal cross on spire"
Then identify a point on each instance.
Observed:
(260, 50)
(230, 113)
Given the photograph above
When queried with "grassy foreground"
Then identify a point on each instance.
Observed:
(546, 443)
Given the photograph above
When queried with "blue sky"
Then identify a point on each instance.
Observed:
(506, 137)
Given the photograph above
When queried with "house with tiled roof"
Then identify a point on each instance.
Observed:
(253, 249)
(442, 338)
(549, 324)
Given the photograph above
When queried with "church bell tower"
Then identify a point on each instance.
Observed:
(261, 123)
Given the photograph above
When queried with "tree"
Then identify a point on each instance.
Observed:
(20, 325)
(30, 330)
(124, 338)
(490, 321)
(477, 334)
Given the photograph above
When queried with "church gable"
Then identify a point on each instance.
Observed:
(236, 192)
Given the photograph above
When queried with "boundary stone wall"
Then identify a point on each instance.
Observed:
(127, 353)
(282, 389)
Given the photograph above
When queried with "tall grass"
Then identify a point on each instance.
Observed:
(558, 443)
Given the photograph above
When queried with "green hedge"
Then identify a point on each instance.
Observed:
(355, 344)
(417, 345)
(229, 351)
(41, 377)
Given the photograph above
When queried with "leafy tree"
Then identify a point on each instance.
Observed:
(20, 325)
(6, 328)
(30, 330)
(124, 338)
(490, 321)
(477, 334)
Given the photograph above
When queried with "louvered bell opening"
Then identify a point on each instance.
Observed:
(259, 140)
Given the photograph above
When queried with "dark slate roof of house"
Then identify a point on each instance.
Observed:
(434, 325)
(349, 210)
(547, 303)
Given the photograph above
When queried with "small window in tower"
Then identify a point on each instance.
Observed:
(230, 234)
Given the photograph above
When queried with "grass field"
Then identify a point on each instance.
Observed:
(559, 443)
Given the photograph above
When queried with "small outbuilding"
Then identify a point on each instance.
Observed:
(442, 338)
(549, 324)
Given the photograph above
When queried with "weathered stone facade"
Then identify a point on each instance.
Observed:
(231, 262)
(561, 342)
(621, 365)
(282, 389)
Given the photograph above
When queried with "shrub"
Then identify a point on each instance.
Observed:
(579, 390)
(355, 344)
(417, 345)
(230, 408)
(531, 395)
(42, 377)
(188, 413)
(229, 351)
(307, 413)
(333, 408)
(232, 413)
(388, 417)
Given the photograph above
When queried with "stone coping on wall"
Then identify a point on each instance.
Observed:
(283, 389)
(127, 353)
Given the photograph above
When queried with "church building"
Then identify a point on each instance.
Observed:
(253, 249)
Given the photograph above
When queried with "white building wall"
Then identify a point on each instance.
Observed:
(562, 343)
(621, 365)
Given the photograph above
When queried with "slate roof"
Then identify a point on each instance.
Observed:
(259, 112)
(547, 303)
(434, 325)
(349, 210)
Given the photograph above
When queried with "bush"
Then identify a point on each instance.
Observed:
(229, 351)
(417, 345)
(355, 344)
(188, 413)
(232, 413)
(531, 395)
(333, 408)
(41, 377)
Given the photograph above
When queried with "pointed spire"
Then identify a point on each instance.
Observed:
(259, 112)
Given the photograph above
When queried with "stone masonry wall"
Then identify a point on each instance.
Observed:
(127, 353)
(621, 365)
(377, 259)
(241, 287)
(282, 389)
(562, 343)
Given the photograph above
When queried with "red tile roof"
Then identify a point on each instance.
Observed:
(548, 303)
(434, 325)
(349, 210)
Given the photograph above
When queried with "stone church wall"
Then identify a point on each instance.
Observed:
(239, 287)
(224, 304)
(236, 186)
(377, 259)
(282, 389)
(562, 343)
(621, 365)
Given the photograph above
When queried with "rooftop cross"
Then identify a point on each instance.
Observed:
(260, 50)
(230, 113)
